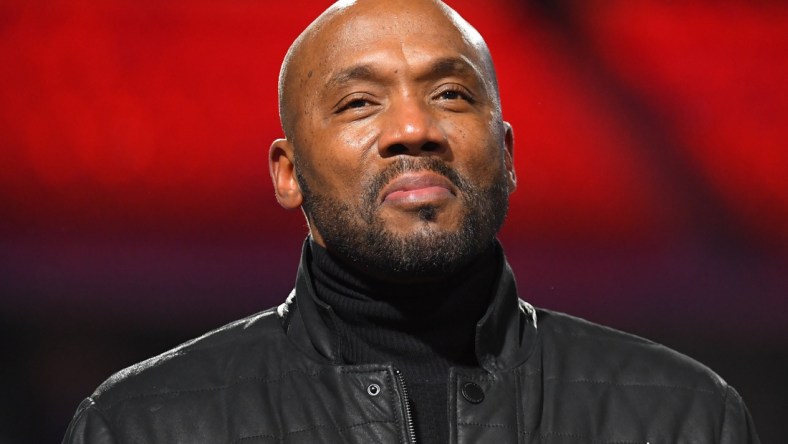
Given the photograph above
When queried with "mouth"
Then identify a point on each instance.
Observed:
(418, 189)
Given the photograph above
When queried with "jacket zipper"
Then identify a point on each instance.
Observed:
(406, 401)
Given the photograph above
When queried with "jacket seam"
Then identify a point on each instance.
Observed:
(318, 426)
(583, 437)
(724, 412)
(240, 381)
(546, 434)
(396, 407)
(634, 385)
(518, 403)
(489, 426)
(454, 410)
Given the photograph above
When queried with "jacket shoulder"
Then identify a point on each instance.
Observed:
(619, 387)
(579, 350)
(252, 347)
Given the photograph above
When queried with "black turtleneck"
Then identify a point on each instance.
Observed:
(422, 329)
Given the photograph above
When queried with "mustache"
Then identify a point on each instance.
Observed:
(404, 165)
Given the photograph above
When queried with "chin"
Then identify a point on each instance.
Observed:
(426, 218)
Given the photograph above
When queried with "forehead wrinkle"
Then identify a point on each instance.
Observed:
(439, 68)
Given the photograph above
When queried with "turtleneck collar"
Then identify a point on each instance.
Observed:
(422, 328)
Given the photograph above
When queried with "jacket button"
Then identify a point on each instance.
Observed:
(472, 393)
(373, 390)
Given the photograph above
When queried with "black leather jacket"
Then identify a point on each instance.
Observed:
(276, 377)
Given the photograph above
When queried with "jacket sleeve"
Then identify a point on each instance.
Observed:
(89, 426)
(737, 425)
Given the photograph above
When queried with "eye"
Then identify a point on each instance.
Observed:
(451, 95)
(354, 102)
(454, 92)
(358, 103)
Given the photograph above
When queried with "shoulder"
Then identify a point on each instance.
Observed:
(251, 348)
(578, 350)
(604, 385)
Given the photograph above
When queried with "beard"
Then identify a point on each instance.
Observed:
(360, 237)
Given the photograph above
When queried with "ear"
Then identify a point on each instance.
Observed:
(282, 169)
(508, 140)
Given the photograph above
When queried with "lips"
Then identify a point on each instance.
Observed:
(418, 188)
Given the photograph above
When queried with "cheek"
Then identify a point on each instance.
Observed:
(476, 150)
(357, 140)
(336, 159)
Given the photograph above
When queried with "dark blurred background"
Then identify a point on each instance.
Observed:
(136, 209)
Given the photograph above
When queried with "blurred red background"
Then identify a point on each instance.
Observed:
(651, 151)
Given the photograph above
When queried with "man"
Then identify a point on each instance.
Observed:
(405, 324)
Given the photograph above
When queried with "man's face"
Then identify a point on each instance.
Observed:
(399, 148)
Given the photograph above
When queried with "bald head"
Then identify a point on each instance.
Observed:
(350, 24)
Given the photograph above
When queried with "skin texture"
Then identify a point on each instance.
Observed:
(395, 145)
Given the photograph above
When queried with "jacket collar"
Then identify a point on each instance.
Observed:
(504, 336)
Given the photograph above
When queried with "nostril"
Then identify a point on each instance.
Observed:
(398, 149)
(430, 146)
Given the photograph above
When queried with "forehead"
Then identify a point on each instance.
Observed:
(384, 37)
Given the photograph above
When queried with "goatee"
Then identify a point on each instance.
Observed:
(360, 237)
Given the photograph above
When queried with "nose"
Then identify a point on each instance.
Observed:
(410, 128)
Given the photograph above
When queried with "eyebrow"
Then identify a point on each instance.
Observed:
(448, 66)
(353, 73)
(442, 67)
